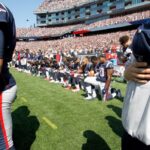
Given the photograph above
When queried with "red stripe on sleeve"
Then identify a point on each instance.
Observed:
(2, 123)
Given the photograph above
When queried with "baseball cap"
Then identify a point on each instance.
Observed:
(141, 43)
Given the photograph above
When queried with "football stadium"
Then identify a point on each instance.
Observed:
(70, 74)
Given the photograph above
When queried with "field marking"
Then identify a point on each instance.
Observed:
(49, 123)
(24, 99)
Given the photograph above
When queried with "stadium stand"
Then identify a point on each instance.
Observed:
(84, 42)
(87, 43)
(55, 5)
(119, 19)
(51, 31)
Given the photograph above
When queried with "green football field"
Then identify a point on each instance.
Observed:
(48, 117)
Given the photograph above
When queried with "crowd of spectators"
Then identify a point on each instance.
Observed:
(79, 44)
(119, 19)
(55, 5)
(46, 31)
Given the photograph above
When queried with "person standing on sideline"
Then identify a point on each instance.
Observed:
(125, 42)
(8, 86)
(136, 108)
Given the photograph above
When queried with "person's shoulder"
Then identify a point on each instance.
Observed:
(109, 65)
(128, 51)
(130, 61)
(89, 64)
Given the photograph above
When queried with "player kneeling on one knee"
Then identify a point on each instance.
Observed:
(99, 77)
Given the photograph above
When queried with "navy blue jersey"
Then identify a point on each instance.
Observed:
(75, 66)
(102, 71)
(96, 68)
(7, 27)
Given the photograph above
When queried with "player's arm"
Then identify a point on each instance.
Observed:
(80, 70)
(91, 72)
(109, 76)
(1, 49)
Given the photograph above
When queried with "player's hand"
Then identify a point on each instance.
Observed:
(91, 73)
(105, 94)
(138, 72)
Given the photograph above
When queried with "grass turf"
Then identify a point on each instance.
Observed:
(81, 125)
